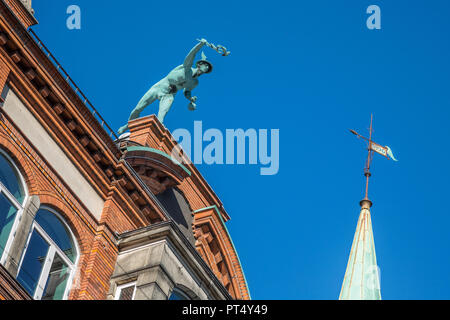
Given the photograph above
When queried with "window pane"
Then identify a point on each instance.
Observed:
(57, 280)
(57, 231)
(127, 293)
(33, 262)
(7, 217)
(177, 295)
(10, 178)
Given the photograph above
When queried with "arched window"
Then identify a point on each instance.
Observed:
(178, 295)
(12, 198)
(49, 258)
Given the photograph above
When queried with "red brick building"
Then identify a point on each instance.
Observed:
(84, 215)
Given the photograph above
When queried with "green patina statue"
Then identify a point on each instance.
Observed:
(182, 77)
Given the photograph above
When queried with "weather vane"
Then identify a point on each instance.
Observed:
(373, 147)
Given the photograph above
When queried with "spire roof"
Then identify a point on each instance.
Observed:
(361, 280)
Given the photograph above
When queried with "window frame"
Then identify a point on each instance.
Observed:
(49, 258)
(124, 286)
(19, 206)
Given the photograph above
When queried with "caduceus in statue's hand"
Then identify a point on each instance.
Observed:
(184, 77)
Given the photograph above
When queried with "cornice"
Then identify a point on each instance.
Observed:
(212, 217)
(168, 143)
(63, 114)
(21, 12)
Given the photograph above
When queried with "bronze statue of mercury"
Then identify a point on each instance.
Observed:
(184, 77)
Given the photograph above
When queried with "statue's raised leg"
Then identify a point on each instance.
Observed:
(146, 100)
(164, 106)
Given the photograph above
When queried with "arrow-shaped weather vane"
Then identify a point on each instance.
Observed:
(373, 147)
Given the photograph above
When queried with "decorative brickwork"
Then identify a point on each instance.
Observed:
(4, 73)
(23, 11)
(216, 246)
(123, 188)
(213, 241)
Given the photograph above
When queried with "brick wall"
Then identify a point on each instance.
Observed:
(4, 73)
(97, 248)
(22, 10)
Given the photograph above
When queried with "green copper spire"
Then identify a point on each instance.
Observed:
(361, 280)
(362, 277)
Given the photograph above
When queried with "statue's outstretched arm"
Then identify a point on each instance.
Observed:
(189, 61)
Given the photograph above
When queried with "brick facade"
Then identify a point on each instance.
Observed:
(4, 73)
(213, 240)
(129, 202)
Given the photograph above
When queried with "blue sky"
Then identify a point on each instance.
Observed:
(313, 70)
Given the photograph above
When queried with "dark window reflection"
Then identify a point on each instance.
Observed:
(57, 231)
(54, 281)
(7, 217)
(176, 295)
(57, 280)
(33, 262)
(10, 178)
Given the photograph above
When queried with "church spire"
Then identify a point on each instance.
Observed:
(362, 280)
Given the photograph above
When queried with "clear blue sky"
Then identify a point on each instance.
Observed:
(313, 70)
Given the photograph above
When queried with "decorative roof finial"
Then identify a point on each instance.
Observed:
(373, 147)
